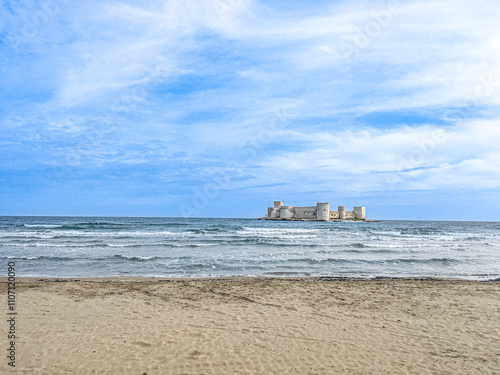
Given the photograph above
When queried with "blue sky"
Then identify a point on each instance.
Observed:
(217, 108)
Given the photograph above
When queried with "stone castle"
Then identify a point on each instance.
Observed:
(320, 212)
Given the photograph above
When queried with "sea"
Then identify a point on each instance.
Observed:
(203, 247)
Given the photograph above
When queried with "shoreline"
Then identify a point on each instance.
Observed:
(26, 279)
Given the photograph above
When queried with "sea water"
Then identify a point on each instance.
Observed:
(202, 247)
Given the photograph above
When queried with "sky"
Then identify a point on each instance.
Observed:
(217, 108)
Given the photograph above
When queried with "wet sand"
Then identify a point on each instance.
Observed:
(254, 326)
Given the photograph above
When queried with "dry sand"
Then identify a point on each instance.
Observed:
(254, 326)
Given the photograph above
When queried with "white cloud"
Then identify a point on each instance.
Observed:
(425, 157)
(428, 56)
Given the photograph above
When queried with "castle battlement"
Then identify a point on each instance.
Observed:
(320, 212)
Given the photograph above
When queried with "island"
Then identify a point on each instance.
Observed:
(320, 212)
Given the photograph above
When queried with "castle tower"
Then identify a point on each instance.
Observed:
(341, 212)
(323, 211)
(359, 213)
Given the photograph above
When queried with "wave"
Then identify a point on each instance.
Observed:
(77, 226)
(204, 231)
(368, 251)
(41, 257)
(92, 245)
(48, 226)
(309, 260)
(358, 245)
(279, 231)
(76, 245)
(420, 231)
(473, 239)
(19, 237)
(163, 224)
(195, 245)
(138, 258)
(18, 257)
(443, 260)
(50, 234)
(162, 244)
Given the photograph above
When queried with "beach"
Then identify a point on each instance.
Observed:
(254, 325)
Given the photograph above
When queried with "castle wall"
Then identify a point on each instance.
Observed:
(308, 213)
(334, 215)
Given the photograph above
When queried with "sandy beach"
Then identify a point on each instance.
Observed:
(254, 326)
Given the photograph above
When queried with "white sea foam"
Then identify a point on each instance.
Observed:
(49, 226)
(135, 257)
